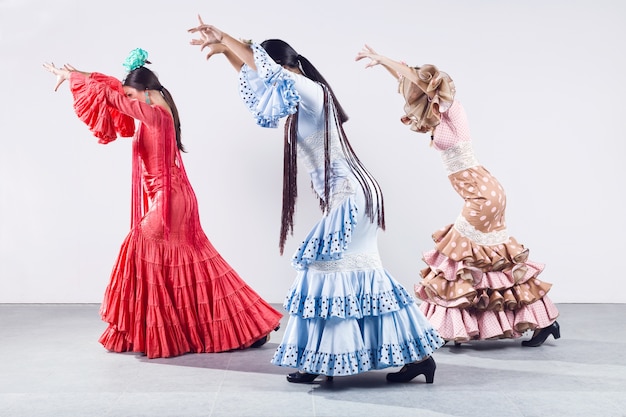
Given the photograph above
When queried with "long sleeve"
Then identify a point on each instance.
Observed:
(99, 101)
(269, 92)
(96, 98)
(90, 104)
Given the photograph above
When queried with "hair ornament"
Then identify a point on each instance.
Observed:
(135, 59)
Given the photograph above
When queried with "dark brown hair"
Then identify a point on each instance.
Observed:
(283, 54)
(143, 79)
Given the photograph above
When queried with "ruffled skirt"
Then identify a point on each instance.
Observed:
(347, 315)
(170, 298)
(479, 283)
(486, 292)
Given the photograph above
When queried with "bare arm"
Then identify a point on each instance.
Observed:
(232, 58)
(220, 48)
(236, 51)
(395, 68)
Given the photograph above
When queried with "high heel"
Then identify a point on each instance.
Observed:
(411, 370)
(537, 340)
(261, 342)
(304, 377)
(264, 339)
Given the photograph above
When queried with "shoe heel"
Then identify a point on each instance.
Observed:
(409, 371)
(556, 332)
(430, 376)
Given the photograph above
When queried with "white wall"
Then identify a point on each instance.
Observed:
(542, 82)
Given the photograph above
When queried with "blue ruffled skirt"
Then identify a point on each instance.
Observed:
(348, 315)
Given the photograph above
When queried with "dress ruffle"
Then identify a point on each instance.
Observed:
(463, 325)
(330, 237)
(90, 105)
(351, 321)
(268, 92)
(458, 247)
(345, 294)
(424, 103)
(166, 299)
(482, 292)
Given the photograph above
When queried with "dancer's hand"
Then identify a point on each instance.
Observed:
(62, 73)
(368, 52)
(209, 35)
(206, 41)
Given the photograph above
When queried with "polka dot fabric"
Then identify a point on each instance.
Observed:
(346, 313)
(331, 236)
(479, 283)
(352, 321)
(484, 197)
(454, 128)
(268, 105)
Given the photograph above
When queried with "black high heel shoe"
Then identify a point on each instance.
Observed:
(537, 340)
(409, 371)
(261, 342)
(304, 378)
(264, 339)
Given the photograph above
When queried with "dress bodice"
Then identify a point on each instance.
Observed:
(283, 92)
(452, 137)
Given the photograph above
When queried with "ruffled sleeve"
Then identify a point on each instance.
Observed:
(90, 105)
(268, 92)
(418, 108)
(330, 237)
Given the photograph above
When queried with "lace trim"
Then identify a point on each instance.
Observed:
(339, 193)
(311, 149)
(489, 239)
(459, 157)
(350, 262)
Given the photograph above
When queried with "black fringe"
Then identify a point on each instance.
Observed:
(370, 186)
(290, 179)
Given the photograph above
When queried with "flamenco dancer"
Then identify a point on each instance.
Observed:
(170, 291)
(478, 283)
(347, 314)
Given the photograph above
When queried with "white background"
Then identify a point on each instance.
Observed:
(541, 81)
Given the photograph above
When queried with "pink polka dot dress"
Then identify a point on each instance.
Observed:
(478, 283)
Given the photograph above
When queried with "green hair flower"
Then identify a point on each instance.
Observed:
(135, 59)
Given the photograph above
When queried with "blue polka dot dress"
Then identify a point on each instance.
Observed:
(347, 314)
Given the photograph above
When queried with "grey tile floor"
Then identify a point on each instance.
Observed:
(52, 365)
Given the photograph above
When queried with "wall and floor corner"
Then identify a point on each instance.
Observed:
(540, 82)
(52, 365)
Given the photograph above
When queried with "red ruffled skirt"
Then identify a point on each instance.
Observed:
(168, 298)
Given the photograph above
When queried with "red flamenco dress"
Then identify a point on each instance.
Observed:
(170, 292)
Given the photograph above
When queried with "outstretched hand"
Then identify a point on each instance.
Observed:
(212, 48)
(368, 52)
(210, 37)
(62, 73)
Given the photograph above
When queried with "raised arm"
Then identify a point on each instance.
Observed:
(63, 73)
(220, 48)
(236, 51)
(90, 87)
(396, 68)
